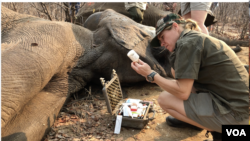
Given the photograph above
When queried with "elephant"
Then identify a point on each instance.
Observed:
(44, 62)
(95, 18)
(151, 15)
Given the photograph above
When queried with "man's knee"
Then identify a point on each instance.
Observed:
(140, 14)
(132, 12)
(139, 17)
(136, 14)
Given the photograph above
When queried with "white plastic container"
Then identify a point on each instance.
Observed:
(133, 56)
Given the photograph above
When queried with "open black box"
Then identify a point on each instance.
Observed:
(113, 96)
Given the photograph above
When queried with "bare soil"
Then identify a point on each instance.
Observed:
(89, 120)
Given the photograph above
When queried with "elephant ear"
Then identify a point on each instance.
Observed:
(124, 30)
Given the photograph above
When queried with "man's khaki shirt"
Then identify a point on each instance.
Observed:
(215, 69)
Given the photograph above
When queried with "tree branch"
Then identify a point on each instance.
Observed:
(33, 5)
(45, 10)
(14, 6)
(82, 5)
(62, 6)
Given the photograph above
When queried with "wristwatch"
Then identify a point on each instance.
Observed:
(150, 77)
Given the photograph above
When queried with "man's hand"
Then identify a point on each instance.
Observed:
(141, 68)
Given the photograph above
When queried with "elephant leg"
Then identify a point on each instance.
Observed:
(39, 114)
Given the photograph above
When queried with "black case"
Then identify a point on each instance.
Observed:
(113, 96)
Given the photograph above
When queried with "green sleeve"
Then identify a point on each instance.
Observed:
(188, 60)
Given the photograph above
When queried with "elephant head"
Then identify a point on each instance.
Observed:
(114, 36)
(90, 13)
(43, 62)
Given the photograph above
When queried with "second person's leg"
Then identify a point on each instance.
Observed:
(199, 13)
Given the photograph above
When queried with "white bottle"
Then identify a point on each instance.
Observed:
(133, 56)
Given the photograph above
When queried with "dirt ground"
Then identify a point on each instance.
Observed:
(95, 123)
(85, 118)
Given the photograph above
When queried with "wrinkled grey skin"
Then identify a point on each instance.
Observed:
(95, 18)
(151, 15)
(128, 35)
(44, 62)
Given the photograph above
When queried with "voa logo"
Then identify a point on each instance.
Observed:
(236, 132)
